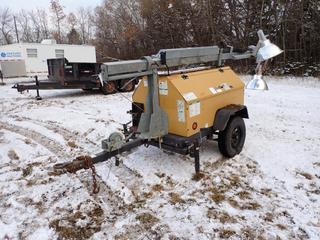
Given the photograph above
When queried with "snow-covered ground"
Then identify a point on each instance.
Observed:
(270, 191)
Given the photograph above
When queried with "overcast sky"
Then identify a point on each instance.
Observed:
(70, 5)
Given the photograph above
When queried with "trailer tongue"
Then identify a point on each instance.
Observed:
(178, 111)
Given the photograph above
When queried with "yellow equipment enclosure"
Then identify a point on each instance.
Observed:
(192, 99)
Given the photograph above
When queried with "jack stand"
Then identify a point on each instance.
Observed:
(117, 161)
(37, 83)
(196, 155)
(38, 96)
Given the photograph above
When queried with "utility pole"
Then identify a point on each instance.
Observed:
(15, 26)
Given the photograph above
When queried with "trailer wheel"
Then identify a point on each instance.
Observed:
(127, 85)
(231, 140)
(109, 87)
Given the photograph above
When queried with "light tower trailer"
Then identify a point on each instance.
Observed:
(178, 111)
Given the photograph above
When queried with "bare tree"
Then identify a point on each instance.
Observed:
(58, 17)
(43, 21)
(40, 29)
(6, 22)
(73, 36)
(25, 26)
(85, 24)
(72, 20)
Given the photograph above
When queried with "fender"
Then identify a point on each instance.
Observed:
(224, 114)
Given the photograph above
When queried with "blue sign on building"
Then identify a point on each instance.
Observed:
(10, 54)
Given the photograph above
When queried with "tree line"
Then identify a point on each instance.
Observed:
(35, 25)
(126, 29)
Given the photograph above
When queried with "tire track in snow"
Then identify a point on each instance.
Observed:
(48, 143)
(110, 199)
(131, 179)
(111, 202)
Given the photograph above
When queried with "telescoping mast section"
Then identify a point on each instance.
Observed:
(176, 111)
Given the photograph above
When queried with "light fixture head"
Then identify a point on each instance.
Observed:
(257, 83)
(267, 49)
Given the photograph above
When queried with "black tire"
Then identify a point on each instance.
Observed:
(109, 87)
(127, 85)
(231, 140)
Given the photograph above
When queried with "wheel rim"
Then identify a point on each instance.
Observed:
(110, 87)
(127, 86)
(236, 137)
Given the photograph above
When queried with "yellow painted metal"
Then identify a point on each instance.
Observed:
(194, 97)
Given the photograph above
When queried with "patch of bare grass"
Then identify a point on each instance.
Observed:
(27, 171)
(147, 219)
(175, 198)
(305, 175)
(217, 196)
(157, 188)
(197, 176)
(243, 195)
(226, 233)
(13, 155)
(72, 144)
(91, 219)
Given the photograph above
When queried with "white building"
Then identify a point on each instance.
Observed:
(25, 59)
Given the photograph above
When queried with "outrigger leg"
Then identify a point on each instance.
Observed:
(196, 153)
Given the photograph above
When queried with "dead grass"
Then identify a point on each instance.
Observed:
(268, 217)
(31, 182)
(251, 206)
(281, 226)
(37, 205)
(16, 169)
(67, 227)
(249, 234)
(175, 198)
(305, 175)
(224, 217)
(157, 188)
(147, 194)
(198, 176)
(122, 236)
(266, 191)
(147, 219)
(72, 144)
(244, 206)
(234, 180)
(27, 141)
(243, 195)
(226, 233)
(169, 181)
(160, 175)
(13, 155)
(218, 197)
(27, 171)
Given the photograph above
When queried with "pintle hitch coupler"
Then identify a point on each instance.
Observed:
(81, 162)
